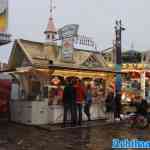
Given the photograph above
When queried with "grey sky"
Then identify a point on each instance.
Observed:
(28, 20)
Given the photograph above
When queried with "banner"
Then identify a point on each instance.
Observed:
(3, 15)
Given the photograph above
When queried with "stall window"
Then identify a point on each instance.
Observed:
(35, 89)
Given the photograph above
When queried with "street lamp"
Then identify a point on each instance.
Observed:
(118, 83)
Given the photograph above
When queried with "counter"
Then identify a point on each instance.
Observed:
(39, 112)
(29, 112)
(56, 113)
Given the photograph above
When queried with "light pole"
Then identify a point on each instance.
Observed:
(118, 62)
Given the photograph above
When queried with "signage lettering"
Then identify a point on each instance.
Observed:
(68, 31)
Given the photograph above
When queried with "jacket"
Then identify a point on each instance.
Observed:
(69, 95)
(88, 96)
(80, 93)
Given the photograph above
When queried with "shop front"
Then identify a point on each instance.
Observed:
(96, 78)
(43, 101)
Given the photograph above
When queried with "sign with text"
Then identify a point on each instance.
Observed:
(3, 15)
(67, 50)
(68, 31)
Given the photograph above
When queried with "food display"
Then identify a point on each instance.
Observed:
(56, 88)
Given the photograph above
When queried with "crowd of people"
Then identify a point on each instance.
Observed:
(74, 95)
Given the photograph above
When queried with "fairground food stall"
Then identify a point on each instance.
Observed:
(45, 104)
(40, 88)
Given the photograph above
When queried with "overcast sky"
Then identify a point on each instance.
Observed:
(28, 20)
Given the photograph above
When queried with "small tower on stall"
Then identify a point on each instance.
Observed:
(51, 31)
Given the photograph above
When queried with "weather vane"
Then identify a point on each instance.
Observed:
(52, 7)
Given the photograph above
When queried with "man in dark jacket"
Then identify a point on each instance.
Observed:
(142, 108)
(117, 107)
(69, 96)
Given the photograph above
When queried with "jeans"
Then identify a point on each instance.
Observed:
(87, 110)
(79, 113)
(70, 108)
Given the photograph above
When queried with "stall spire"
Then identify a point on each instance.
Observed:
(51, 30)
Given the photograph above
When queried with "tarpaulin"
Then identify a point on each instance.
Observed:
(5, 90)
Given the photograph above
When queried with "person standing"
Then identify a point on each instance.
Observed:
(110, 105)
(69, 97)
(117, 107)
(142, 108)
(88, 101)
(80, 96)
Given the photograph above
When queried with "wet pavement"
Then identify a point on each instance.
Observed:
(19, 137)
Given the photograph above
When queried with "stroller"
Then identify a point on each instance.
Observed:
(141, 118)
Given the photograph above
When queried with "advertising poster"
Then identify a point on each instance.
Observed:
(3, 15)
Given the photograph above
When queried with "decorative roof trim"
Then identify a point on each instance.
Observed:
(12, 53)
(31, 41)
(25, 52)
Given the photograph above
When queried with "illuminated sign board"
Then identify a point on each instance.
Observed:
(3, 15)
(132, 66)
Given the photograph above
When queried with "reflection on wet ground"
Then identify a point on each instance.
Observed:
(94, 138)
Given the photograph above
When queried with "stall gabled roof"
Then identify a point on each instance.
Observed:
(32, 51)
(38, 54)
(17, 55)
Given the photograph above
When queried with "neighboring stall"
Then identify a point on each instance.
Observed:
(136, 85)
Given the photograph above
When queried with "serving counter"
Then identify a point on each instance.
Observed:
(56, 113)
(39, 112)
